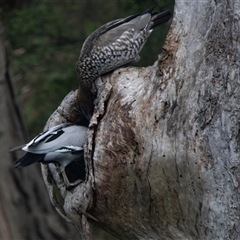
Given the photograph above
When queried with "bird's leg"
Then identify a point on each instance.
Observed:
(65, 178)
(85, 102)
(64, 175)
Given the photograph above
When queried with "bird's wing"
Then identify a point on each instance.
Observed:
(48, 135)
(110, 31)
(70, 135)
(112, 35)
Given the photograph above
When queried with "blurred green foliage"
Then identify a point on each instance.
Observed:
(46, 38)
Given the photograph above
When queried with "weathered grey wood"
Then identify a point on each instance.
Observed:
(163, 145)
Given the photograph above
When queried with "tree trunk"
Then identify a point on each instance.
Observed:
(25, 210)
(162, 156)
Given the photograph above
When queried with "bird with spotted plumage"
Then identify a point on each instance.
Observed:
(61, 144)
(111, 46)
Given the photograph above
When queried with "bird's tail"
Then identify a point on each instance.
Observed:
(28, 159)
(160, 18)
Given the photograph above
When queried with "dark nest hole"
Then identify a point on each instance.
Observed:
(76, 170)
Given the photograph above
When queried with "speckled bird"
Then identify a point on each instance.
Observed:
(113, 45)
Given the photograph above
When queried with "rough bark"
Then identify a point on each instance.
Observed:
(162, 154)
(25, 209)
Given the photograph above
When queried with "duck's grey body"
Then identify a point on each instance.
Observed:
(61, 144)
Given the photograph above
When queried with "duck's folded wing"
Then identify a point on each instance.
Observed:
(48, 135)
